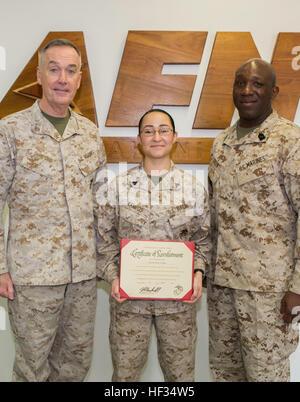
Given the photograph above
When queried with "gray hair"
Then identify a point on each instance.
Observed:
(59, 42)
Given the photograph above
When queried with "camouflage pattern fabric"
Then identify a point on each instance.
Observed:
(133, 207)
(176, 339)
(54, 331)
(254, 188)
(48, 181)
(248, 340)
(255, 200)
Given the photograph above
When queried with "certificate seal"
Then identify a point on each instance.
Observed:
(178, 289)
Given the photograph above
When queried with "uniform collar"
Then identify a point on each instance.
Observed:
(41, 125)
(259, 135)
(169, 181)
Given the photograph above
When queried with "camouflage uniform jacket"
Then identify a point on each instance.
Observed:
(133, 207)
(255, 201)
(48, 183)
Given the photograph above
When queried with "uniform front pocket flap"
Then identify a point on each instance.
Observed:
(38, 163)
(88, 163)
(182, 219)
(134, 215)
(253, 170)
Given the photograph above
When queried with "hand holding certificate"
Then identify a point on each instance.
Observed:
(151, 269)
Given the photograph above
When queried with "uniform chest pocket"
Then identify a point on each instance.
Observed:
(38, 163)
(223, 180)
(181, 225)
(132, 222)
(89, 162)
(259, 189)
(250, 178)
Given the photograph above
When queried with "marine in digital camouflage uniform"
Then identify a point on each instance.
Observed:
(254, 280)
(48, 180)
(169, 206)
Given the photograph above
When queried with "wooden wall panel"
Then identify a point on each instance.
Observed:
(230, 50)
(288, 73)
(140, 84)
(186, 150)
(26, 90)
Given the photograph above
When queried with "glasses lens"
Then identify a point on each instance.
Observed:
(148, 132)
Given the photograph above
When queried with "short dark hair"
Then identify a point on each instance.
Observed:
(156, 110)
(263, 63)
(59, 42)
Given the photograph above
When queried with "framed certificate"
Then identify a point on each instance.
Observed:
(151, 269)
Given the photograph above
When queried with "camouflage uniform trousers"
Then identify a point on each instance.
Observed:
(54, 331)
(248, 340)
(176, 342)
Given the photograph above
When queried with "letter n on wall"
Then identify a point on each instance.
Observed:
(140, 83)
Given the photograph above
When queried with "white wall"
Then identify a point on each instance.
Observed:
(23, 26)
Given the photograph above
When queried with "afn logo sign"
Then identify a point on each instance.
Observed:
(2, 58)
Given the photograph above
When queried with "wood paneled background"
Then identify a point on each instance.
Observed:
(140, 85)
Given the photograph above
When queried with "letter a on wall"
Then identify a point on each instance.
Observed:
(26, 90)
